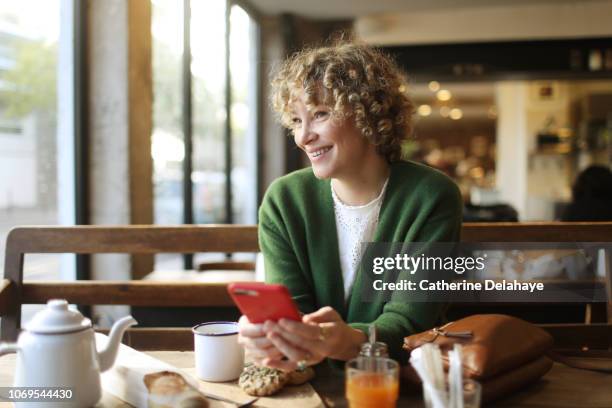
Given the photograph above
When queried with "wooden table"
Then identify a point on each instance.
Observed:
(562, 387)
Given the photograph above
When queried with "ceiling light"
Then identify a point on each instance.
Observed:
(444, 95)
(444, 111)
(434, 86)
(424, 110)
(456, 114)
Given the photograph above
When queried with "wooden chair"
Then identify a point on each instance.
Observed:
(223, 238)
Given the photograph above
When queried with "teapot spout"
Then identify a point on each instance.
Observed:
(107, 356)
(7, 348)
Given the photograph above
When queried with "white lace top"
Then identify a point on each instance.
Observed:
(355, 225)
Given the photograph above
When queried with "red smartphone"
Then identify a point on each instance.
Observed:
(263, 301)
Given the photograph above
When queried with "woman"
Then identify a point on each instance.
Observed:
(591, 196)
(347, 108)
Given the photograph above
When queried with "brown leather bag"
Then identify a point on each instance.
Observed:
(502, 352)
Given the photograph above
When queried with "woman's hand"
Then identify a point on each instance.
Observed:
(257, 346)
(320, 335)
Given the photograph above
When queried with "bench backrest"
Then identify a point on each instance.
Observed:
(137, 239)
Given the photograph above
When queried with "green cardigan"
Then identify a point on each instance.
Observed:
(297, 235)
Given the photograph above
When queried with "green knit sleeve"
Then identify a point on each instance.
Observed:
(280, 261)
(400, 317)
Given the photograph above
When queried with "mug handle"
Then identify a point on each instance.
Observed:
(7, 348)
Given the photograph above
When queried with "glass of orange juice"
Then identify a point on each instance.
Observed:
(372, 382)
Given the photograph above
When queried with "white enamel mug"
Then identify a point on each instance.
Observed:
(218, 356)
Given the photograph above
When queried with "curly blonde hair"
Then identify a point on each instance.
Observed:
(353, 80)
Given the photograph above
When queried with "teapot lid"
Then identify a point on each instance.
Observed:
(57, 318)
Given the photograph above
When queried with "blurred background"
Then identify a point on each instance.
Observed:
(156, 111)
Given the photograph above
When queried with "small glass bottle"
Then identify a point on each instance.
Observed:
(373, 348)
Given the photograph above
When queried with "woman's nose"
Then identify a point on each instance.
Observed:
(305, 135)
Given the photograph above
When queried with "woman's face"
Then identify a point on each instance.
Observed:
(336, 149)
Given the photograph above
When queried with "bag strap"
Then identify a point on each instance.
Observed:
(582, 363)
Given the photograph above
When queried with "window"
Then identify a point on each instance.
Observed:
(168, 149)
(205, 121)
(244, 79)
(36, 141)
(208, 70)
(29, 32)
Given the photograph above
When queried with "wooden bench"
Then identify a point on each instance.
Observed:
(116, 239)
(223, 238)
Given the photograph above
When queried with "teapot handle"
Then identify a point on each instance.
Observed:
(7, 348)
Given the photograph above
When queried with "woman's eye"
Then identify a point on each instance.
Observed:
(296, 121)
(321, 114)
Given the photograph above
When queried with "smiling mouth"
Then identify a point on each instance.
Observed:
(320, 152)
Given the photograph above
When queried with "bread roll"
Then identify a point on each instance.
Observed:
(170, 390)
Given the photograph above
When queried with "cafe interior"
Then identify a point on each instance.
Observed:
(137, 141)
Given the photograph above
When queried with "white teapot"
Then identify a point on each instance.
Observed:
(58, 349)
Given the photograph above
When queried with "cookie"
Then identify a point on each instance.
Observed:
(299, 377)
(262, 381)
(167, 389)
